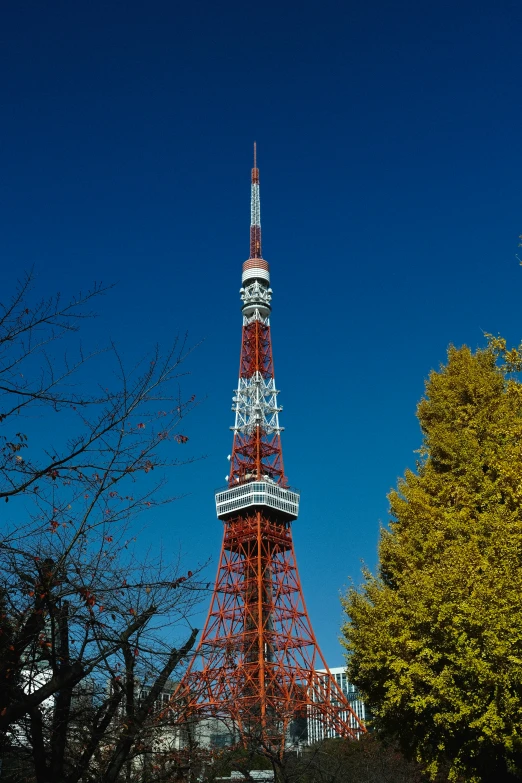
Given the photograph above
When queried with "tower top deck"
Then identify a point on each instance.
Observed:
(257, 494)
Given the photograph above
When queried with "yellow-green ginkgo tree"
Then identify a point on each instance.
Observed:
(434, 640)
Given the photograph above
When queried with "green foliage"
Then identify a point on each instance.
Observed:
(435, 639)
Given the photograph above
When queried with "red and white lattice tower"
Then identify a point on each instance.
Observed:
(257, 661)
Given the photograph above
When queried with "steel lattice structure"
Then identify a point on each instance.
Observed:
(257, 660)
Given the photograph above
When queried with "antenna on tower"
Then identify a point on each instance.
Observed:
(255, 170)
(255, 212)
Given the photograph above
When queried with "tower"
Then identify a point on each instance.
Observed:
(257, 661)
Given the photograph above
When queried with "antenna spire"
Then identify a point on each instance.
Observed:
(255, 212)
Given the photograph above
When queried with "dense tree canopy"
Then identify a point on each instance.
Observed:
(435, 639)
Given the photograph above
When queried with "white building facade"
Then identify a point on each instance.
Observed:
(316, 730)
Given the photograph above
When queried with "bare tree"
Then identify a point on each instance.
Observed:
(86, 625)
(336, 760)
(366, 760)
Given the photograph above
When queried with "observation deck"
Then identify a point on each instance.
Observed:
(257, 493)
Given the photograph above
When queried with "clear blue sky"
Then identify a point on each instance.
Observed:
(390, 155)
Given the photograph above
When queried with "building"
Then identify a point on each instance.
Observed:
(316, 731)
(265, 775)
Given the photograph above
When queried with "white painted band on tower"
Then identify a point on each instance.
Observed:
(255, 273)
